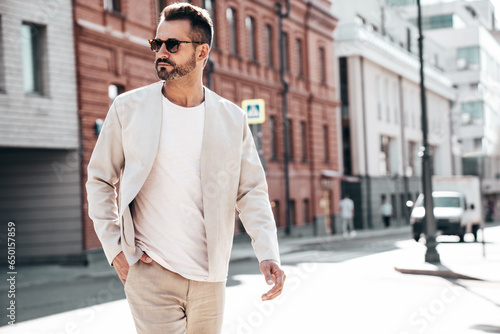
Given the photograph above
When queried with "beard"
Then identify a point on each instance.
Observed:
(177, 71)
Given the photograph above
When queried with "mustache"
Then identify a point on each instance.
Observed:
(164, 60)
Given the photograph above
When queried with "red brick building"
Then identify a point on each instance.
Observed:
(113, 56)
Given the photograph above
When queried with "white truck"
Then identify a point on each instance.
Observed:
(457, 207)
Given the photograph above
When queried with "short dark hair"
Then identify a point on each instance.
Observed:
(201, 23)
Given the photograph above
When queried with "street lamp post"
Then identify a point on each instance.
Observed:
(286, 139)
(431, 255)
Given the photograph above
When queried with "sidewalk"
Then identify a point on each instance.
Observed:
(40, 274)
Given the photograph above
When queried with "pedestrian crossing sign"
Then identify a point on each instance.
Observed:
(255, 110)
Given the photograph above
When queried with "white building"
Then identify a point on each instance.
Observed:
(378, 80)
(39, 133)
(467, 29)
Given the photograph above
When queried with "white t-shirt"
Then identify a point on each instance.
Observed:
(168, 210)
(346, 208)
(386, 209)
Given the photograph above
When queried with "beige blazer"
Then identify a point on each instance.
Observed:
(231, 175)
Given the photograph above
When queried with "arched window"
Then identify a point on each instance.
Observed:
(250, 25)
(231, 22)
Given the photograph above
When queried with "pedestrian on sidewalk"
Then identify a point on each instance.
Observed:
(185, 159)
(347, 215)
(386, 211)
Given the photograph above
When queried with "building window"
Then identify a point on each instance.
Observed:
(273, 138)
(397, 3)
(2, 66)
(114, 5)
(114, 91)
(285, 52)
(396, 103)
(440, 21)
(210, 7)
(408, 39)
(306, 210)
(385, 144)
(412, 153)
(291, 154)
(378, 97)
(33, 56)
(268, 32)
(478, 144)
(256, 130)
(231, 21)
(322, 65)
(250, 24)
(468, 58)
(303, 140)
(472, 113)
(326, 145)
(387, 101)
(298, 52)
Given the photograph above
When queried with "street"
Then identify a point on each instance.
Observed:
(348, 286)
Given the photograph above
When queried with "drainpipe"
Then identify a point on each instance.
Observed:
(367, 175)
(403, 150)
(286, 155)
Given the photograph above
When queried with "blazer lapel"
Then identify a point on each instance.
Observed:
(208, 167)
(149, 121)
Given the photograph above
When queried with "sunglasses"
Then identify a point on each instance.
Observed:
(171, 44)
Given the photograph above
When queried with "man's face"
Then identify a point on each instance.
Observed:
(172, 66)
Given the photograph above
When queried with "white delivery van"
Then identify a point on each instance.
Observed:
(457, 207)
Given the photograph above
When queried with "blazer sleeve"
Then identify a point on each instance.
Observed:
(104, 171)
(253, 203)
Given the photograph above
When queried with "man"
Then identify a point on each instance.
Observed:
(347, 214)
(185, 158)
(386, 211)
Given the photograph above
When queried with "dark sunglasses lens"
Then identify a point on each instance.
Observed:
(156, 44)
(172, 45)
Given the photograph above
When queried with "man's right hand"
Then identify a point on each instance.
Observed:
(121, 265)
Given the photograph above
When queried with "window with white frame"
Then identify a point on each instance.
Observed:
(468, 58)
(33, 57)
(113, 5)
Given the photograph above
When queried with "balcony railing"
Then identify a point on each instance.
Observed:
(358, 32)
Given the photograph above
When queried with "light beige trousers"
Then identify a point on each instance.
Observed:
(164, 302)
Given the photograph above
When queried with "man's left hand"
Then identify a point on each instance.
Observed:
(273, 275)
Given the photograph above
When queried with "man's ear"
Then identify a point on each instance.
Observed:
(203, 53)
